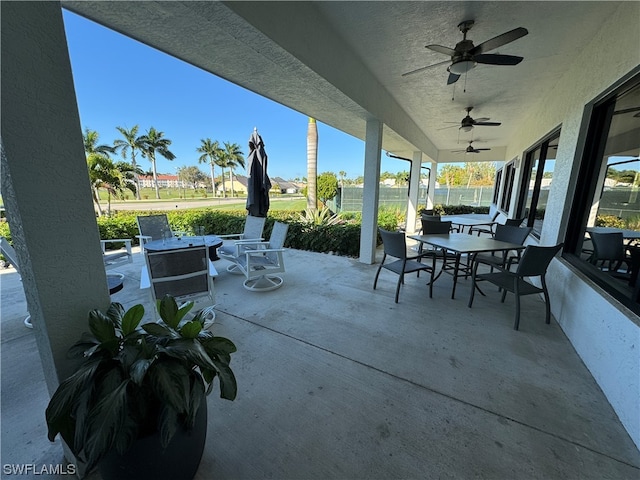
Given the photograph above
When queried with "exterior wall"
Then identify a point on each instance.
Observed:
(604, 333)
(45, 183)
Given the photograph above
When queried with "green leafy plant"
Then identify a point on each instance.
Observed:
(136, 380)
(322, 216)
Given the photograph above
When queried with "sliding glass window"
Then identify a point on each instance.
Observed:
(539, 162)
(605, 214)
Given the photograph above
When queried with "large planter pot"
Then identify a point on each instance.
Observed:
(146, 459)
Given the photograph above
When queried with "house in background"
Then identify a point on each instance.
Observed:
(283, 186)
(239, 185)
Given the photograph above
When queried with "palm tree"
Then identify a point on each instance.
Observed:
(153, 142)
(342, 174)
(114, 178)
(312, 165)
(132, 142)
(91, 145)
(233, 158)
(211, 153)
(97, 155)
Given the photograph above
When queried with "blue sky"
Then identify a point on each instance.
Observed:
(121, 82)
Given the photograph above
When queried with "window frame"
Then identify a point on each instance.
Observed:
(508, 184)
(597, 119)
(527, 167)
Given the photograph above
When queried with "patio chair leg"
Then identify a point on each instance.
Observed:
(517, 322)
(400, 282)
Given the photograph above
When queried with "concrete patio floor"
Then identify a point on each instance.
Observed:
(336, 381)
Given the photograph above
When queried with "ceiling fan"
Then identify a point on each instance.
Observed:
(468, 123)
(470, 149)
(465, 55)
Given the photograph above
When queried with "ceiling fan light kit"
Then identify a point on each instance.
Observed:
(461, 67)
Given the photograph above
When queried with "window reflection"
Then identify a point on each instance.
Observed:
(609, 242)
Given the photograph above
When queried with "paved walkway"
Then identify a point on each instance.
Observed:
(336, 381)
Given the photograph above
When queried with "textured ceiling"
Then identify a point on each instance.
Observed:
(342, 62)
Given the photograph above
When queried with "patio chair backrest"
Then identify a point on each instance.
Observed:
(514, 222)
(183, 274)
(435, 228)
(394, 243)
(277, 239)
(153, 225)
(511, 234)
(536, 259)
(607, 246)
(253, 227)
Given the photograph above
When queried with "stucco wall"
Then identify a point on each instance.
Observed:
(605, 334)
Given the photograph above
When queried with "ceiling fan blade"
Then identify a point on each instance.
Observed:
(496, 59)
(499, 41)
(487, 124)
(484, 119)
(417, 70)
(481, 149)
(453, 78)
(457, 124)
(440, 49)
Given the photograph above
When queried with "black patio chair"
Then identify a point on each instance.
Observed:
(514, 222)
(533, 264)
(505, 233)
(488, 229)
(395, 246)
(609, 253)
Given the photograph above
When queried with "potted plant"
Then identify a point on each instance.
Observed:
(141, 389)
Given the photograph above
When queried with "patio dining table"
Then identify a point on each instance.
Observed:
(463, 244)
(176, 243)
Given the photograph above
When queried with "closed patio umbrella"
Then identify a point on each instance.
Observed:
(259, 184)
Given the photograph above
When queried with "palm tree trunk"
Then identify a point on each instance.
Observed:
(233, 193)
(155, 176)
(224, 188)
(213, 182)
(312, 165)
(135, 175)
(96, 199)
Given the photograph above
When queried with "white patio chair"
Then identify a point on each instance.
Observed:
(114, 258)
(152, 227)
(260, 261)
(237, 243)
(186, 274)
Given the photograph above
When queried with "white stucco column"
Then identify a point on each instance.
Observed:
(45, 183)
(371, 193)
(414, 189)
(432, 185)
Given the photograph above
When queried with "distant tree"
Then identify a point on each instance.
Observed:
(402, 178)
(234, 158)
(327, 187)
(131, 144)
(191, 175)
(312, 165)
(153, 142)
(211, 154)
(451, 175)
(342, 174)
